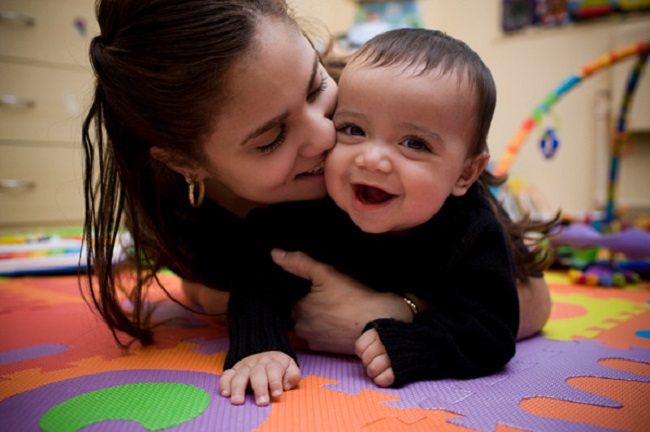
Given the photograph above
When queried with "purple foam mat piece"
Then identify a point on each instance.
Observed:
(31, 352)
(22, 412)
(539, 369)
(209, 346)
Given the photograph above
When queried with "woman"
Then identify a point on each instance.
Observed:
(204, 110)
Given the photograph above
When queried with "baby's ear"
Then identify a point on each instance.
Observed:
(473, 168)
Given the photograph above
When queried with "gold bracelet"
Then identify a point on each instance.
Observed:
(411, 304)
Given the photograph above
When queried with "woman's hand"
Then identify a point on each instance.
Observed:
(272, 371)
(374, 357)
(332, 316)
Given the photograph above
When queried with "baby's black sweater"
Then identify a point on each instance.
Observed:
(460, 260)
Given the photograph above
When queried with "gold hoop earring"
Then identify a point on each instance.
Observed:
(195, 202)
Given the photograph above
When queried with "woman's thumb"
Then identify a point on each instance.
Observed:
(297, 263)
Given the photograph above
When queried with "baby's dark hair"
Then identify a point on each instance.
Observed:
(432, 51)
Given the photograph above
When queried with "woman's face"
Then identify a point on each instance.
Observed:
(271, 136)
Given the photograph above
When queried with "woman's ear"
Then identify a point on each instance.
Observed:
(473, 168)
(165, 157)
(187, 170)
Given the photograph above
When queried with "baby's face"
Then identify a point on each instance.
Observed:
(402, 142)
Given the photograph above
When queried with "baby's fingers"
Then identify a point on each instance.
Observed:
(260, 382)
(274, 378)
(377, 365)
(292, 376)
(224, 382)
(233, 384)
(380, 370)
(275, 374)
(385, 378)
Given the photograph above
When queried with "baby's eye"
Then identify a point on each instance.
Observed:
(350, 129)
(416, 144)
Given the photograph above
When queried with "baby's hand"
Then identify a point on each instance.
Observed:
(271, 370)
(372, 353)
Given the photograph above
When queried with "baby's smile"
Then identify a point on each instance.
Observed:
(371, 194)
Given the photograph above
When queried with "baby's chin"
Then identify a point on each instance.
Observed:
(380, 226)
(384, 224)
(373, 229)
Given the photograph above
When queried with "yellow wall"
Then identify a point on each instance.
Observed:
(529, 65)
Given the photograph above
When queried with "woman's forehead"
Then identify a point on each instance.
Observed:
(268, 81)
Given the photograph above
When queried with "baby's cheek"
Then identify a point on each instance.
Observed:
(333, 175)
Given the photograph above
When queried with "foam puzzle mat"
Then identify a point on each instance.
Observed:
(60, 370)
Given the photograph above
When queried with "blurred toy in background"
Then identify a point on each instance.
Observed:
(597, 247)
(519, 14)
(633, 5)
(47, 253)
(519, 199)
(580, 242)
(551, 12)
(379, 16)
(594, 258)
(588, 9)
(549, 142)
(535, 118)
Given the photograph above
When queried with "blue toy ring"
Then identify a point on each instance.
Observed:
(549, 143)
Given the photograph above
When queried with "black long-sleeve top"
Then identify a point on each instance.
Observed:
(459, 260)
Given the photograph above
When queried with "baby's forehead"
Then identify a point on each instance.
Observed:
(413, 68)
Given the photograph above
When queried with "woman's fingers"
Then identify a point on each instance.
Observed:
(301, 265)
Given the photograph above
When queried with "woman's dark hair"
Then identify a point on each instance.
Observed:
(432, 51)
(160, 68)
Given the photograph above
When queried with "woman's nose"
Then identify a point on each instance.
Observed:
(320, 137)
(374, 158)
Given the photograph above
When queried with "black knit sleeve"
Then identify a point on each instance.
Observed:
(259, 309)
(258, 321)
(471, 330)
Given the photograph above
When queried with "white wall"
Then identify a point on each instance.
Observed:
(527, 66)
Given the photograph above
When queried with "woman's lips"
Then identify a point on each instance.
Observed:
(314, 171)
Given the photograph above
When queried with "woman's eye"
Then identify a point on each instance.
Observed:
(416, 144)
(320, 89)
(275, 143)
